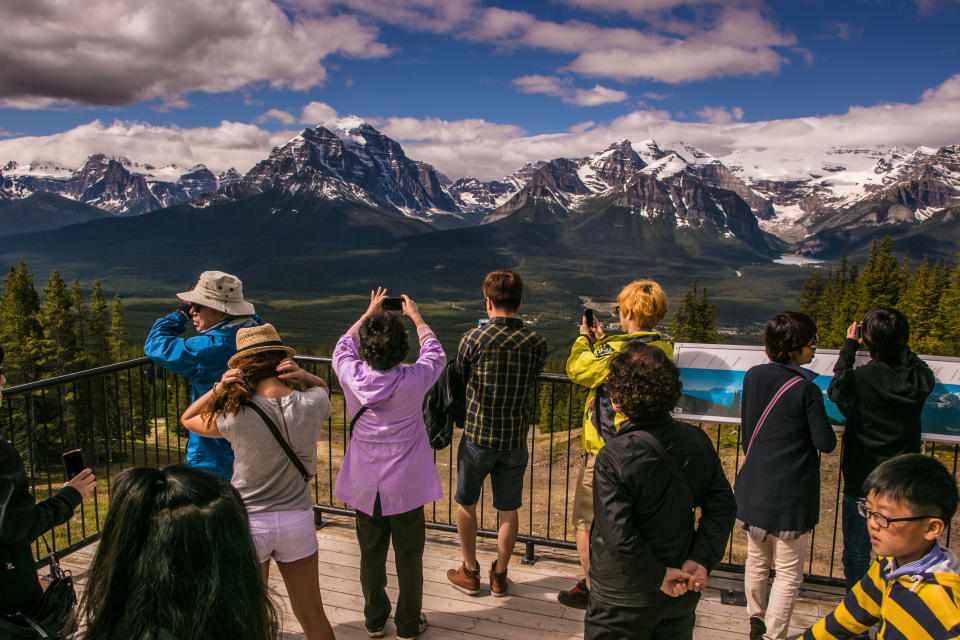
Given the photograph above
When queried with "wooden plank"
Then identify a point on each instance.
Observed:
(530, 612)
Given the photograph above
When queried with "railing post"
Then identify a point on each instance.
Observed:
(528, 556)
(318, 522)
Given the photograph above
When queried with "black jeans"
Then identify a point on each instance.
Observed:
(373, 534)
(671, 619)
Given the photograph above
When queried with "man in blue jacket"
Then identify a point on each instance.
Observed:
(216, 307)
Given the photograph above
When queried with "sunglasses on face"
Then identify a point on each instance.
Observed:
(196, 308)
(881, 520)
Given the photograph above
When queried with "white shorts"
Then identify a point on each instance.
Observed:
(284, 535)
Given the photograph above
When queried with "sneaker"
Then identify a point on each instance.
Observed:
(498, 581)
(577, 597)
(757, 628)
(420, 628)
(374, 633)
(465, 580)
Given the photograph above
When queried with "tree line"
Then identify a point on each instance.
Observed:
(928, 295)
(62, 332)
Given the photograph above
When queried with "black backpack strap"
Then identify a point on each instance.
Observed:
(283, 443)
(650, 439)
(356, 417)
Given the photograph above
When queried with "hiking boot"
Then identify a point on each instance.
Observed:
(420, 629)
(465, 580)
(498, 581)
(577, 597)
(757, 628)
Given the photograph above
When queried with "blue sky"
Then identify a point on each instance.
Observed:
(223, 82)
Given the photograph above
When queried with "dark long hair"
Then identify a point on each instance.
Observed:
(256, 367)
(176, 560)
(383, 340)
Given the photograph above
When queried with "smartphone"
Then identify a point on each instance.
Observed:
(588, 314)
(393, 304)
(73, 463)
(859, 332)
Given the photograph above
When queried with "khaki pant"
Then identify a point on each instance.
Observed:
(789, 556)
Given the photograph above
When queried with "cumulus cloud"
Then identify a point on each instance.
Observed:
(275, 114)
(438, 16)
(645, 8)
(720, 115)
(563, 88)
(115, 52)
(231, 144)
(317, 112)
(933, 121)
(488, 150)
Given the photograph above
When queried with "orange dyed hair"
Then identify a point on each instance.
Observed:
(645, 301)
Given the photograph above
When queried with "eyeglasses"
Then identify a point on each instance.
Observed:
(814, 343)
(196, 308)
(881, 520)
(616, 310)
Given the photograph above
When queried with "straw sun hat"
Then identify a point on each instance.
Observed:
(220, 291)
(252, 340)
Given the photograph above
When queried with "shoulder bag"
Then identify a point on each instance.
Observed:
(651, 439)
(287, 449)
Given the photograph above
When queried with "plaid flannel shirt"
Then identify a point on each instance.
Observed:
(500, 363)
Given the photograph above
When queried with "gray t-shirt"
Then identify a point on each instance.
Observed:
(262, 472)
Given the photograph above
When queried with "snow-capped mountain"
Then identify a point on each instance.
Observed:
(475, 196)
(116, 185)
(346, 159)
(688, 189)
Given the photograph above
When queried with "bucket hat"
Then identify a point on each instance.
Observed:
(252, 340)
(220, 291)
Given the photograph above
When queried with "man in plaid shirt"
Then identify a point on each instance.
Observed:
(500, 363)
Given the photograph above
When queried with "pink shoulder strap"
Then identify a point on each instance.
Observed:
(773, 401)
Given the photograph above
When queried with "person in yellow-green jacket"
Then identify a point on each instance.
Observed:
(913, 588)
(641, 305)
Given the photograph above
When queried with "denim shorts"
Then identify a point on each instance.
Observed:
(505, 468)
(284, 535)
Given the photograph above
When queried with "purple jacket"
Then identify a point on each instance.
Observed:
(389, 452)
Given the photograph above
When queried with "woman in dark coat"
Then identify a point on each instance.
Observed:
(22, 520)
(784, 425)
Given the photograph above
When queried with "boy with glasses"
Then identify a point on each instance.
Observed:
(913, 587)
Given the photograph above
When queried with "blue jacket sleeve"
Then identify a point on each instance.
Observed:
(165, 346)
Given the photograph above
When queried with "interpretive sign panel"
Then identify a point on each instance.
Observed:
(712, 376)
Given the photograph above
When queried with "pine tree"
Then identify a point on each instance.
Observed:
(695, 319)
(946, 330)
(59, 349)
(79, 308)
(118, 332)
(20, 328)
(881, 280)
(811, 294)
(99, 327)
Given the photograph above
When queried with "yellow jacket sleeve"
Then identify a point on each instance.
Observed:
(583, 367)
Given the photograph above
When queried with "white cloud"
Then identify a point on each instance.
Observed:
(490, 150)
(275, 114)
(563, 88)
(653, 95)
(438, 16)
(721, 115)
(116, 52)
(643, 9)
(317, 112)
(231, 144)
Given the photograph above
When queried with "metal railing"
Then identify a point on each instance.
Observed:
(127, 415)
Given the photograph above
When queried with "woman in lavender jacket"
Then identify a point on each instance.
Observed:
(388, 472)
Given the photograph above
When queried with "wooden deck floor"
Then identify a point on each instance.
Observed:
(530, 612)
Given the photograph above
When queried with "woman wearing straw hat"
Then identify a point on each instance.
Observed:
(274, 432)
(388, 472)
(216, 306)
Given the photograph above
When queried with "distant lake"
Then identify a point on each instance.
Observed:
(797, 260)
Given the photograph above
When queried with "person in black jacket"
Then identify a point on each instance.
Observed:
(881, 402)
(648, 558)
(778, 487)
(22, 520)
